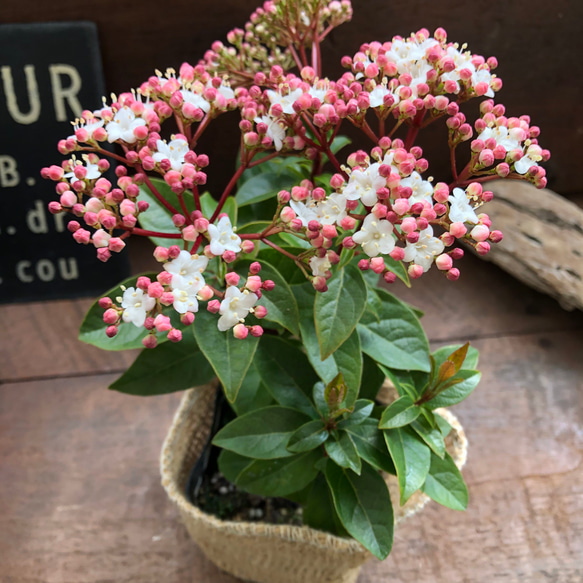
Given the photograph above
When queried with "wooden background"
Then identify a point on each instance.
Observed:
(80, 499)
(538, 44)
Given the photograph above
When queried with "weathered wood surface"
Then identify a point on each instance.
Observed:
(134, 43)
(543, 240)
(80, 498)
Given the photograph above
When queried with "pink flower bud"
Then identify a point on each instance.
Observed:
(173, 251)
(483, 248)
(103, 254)
(201, 224)
(256, 331)
(105, 303)
(150, 341)
(110, 316)
(213, 306)
(453, 274)
(205, 294)
(167, 298)
(268, 285)
(255, 268)
(253, 283)
(247, 246)
(164, 278)
(161, 254)
(336, 181)
(329, 232)
(319, 284)
(116, 244)
(162, 323)
(377, 264)
(348, 243)
(348, 223)
(187, 319)
(229, 256)
(111, 331)
(143, 283)
(240, 331)
(232, 278)
(401, 206)
(444, 262)
(260, 311)
(496, 236)
(480, 233)
(287, 214)
(175, 335)
(415, 271)
(364, 264)
(413, 237)
(408, 225)
(155, 290)
(82, 236)
(458, 230)
(389, 277)
(398, 254)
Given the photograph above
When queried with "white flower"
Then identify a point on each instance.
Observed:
(195, 99)
(509, 139)
(93, 172)
(460, 210)
(375, 236)
(363, 185)
(319, 89)
(174, 152)
(286, 101)
(377, 95)
(89, 126)
(332, 209)
(223, 238)
(531, 158)
(223, 89)
(185, 298)
(422, 189)
(122, 126)
(320, 265)
(275, 130)
(136, 304)
(424, 251)
(483, 76)
(305, 211)
(235, 307)
(186, 270)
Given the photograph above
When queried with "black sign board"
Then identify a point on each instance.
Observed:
(49, 73)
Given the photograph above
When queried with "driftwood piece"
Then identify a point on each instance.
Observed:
(543, 240)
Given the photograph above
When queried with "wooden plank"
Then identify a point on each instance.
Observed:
(80, 498)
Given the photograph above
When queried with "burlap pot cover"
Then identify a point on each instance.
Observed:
(267, 553)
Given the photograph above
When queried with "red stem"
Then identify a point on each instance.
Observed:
(155, 192)
(278, 248)
(145, 233)
(453, 163)
(199, 130)
(227, 191)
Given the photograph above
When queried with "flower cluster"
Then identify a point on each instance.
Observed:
(381, 206)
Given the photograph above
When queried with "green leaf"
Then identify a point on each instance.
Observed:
(261, 434)
(319, 512)
(319, 396)
(337, 311)
(399, 413)
(338, 143)
(158, 217)
(429, 433)
(469, 381)
(335, 394)
(443, 425)
(362, 410)
(344, 453)
(286, 266)
(208, 206)
(253, 394)
(372, 378)
(280, 477)
(280, 301)
(231, 464)
(262, 187)
(128, 337)
(398, 268)
(364, 506)
(229, 357)
(411, 458)
(347, 359)
(471, 359)
(286, 372)
(397, 340)
(406, 378)
(371, 446)
(445, 484)
(167, 368)
(308, 436)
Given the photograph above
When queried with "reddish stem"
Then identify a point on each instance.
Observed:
(228, 190)
(199, 130)
(155, 192)
(278, 248)
(453, 163)
(145, 233)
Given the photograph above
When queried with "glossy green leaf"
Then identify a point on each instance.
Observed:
(445, 484)
(372, 378)
(319, 396)
(253, 394)
(286, 372)
(470, 362)
(429, 433)
(364, 506)
(319, 512)
(338, 310)
(411, 458)
(399, 413)
(261, 434)
(469, 381)
(397, 340)
(308, 436)
(167, 368)
(209, 204)
(398, 268)
(231, 464)
(280, 477)
(371, 446)
(362, 410)
(347, 359)
(286, 266)
(229, 357)
(280, 301)
(263, 186)
(343, 452)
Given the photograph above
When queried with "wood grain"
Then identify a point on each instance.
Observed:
(80, 498)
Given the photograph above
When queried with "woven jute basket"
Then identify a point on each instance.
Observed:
(267, 553)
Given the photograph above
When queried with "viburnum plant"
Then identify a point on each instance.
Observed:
(272, 285)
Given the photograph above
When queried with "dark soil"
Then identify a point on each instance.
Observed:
(217, 496)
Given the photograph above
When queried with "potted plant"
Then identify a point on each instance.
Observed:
(275, 290)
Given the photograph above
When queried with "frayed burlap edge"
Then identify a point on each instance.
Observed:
(267, 553)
